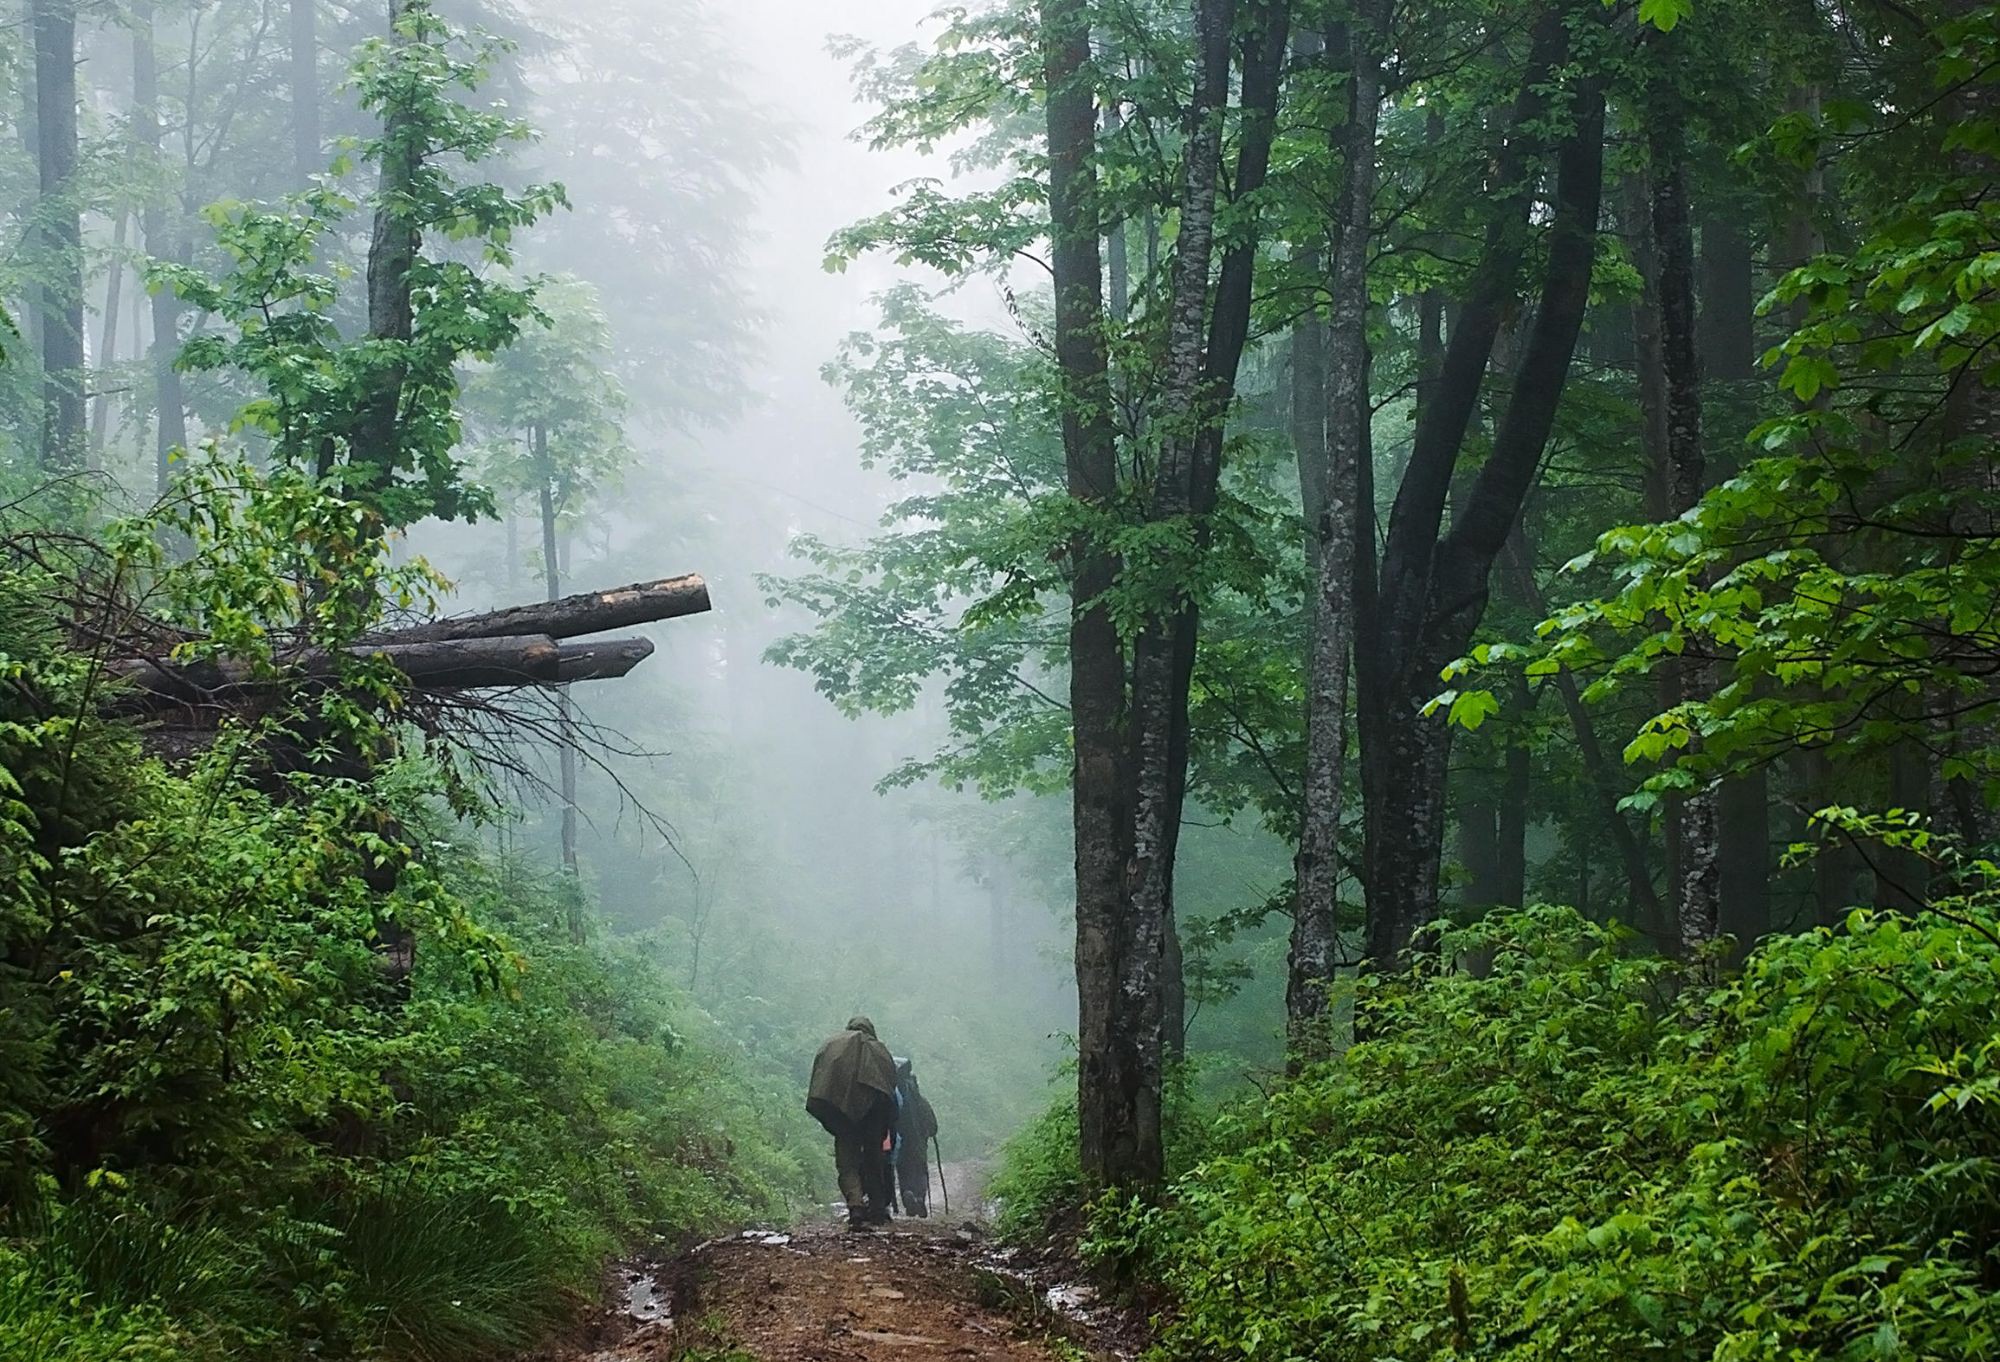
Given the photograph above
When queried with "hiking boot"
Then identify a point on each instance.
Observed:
(857, 1219)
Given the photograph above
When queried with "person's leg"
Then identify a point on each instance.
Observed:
(875, 1164)
(849, 1164)
(916, 1191)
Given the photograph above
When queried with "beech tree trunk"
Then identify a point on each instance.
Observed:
(170, 412)
(1332, 538)
(1422, 603)
(392, 254)
(1117, 1113)
(1158, 777)
(61, 312)
(1670, 292)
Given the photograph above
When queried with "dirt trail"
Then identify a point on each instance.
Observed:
(919, 1291)
(821, 1294)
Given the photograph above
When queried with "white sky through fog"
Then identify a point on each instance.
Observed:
(834, 181)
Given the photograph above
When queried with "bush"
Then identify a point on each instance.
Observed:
(46, 1315)
(1583, 1155)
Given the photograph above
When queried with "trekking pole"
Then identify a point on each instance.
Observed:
(939, 1150)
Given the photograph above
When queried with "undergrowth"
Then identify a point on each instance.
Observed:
(1585, 1154)
(227, 1130)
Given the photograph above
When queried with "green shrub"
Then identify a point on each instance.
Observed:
(438, 1278)
(48, 1316)
(1039, 1180)
(1582, 1155)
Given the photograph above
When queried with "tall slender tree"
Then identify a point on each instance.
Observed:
(1424, 594)
(60, 219)
(1333, 536)
(170, 432)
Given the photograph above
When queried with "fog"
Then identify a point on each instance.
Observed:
(737, 822)
(734, 821)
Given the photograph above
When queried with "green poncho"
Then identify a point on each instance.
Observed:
(851, 1073)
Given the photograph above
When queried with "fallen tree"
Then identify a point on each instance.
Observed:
(517, 646)
(587, 612)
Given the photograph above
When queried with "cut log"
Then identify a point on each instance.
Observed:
(602, 659)
(447, 664)
(589, 612)
(458, 664)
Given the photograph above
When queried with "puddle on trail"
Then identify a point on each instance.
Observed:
(645, 1303)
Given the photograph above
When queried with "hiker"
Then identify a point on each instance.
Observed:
(916, 1127)
(853, 1095)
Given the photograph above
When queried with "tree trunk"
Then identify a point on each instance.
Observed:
(1157, 777)
(1671, 294)
(392, 253)
(170, 412)
(587, 612)
(1118, 262)
(1729, 357)
(107, 353)
(495, 662)
(1424, 601)
(62, 434)
(1333, 539)
(1118, 1113)
(1479, 850)
(552, 576)
(304, 69)
(1669, 685)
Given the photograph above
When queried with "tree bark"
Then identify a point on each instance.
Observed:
(1158, 777)
(107, 352)
(1479, 849)
(1118, 260)
(1428, 593)
(1729, 357)
(62, 433)
(1228, 332)
(1118, 1114)
(588, 612)
(1333, 539)
(375, 444)
(500, 662)
(170, 412)
(552, 577)
(1671, 295)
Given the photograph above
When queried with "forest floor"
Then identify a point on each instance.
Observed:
(920, 1290)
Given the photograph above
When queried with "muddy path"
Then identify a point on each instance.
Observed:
(920, 1291)
(936, 1290)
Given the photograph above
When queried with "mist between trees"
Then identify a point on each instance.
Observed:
(1209, 516)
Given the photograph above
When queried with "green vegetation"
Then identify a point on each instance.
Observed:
(1437, 558)
(1586, 1153)
(227, 1129)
